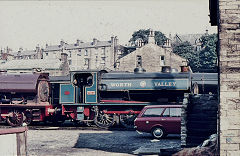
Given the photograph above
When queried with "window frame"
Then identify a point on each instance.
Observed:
(152, 115)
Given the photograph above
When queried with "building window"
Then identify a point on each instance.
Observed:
(103, 51)
(103, 60)
(162, 61)
(86, 52)
(117, 64)
(70, 62)
(96, 60)
(70, 54)
(79, 52)
(46, 54)
(139, 61)
(86, 62)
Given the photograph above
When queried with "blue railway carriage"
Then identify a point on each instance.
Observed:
(108, 98)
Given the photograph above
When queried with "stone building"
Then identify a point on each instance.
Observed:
(226, 15)
(55, 67)
(151, 57)
(90, 55)
(5, 54)
(8, 54)
(27, 54)
(193, 39)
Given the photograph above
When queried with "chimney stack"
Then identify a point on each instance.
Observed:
(62, 43)
(94, 41)
(78, 42)
(151, 36)
(64, 57)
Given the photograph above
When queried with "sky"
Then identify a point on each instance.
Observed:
(30, 23)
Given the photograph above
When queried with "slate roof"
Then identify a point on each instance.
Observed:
(31, 64)
(192, 38)
(53, 48)
(75, 46)
(26, 52)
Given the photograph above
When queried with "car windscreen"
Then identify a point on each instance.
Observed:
(153, 112)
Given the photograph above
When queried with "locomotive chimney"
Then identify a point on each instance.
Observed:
(166, 69)
(184, 68)
(139, 70)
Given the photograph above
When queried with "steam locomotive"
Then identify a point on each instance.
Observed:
(90, 96)
(24, 97)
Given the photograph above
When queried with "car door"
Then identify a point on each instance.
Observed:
(171, 120)
(150, 118)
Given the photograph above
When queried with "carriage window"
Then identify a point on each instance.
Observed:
(153, 112)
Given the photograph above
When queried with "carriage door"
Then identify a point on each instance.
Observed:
(87, 84)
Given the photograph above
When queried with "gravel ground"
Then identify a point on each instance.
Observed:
(51, 142)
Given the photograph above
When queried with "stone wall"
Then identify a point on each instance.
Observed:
(229, 63)
(199, 118)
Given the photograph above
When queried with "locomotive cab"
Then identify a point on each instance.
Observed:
(86, 82)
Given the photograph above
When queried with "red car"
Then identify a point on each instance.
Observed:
(159, 120)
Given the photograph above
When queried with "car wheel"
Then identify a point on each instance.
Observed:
(158, 132)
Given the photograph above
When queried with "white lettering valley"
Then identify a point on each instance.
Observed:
(164, 84)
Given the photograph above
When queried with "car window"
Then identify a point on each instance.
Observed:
(153, 112)
(175, 112)
(166, 113)
(172, 112)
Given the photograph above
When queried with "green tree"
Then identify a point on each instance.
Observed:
(204, 60)
(186, 50)
(160, 38)
(208, 54)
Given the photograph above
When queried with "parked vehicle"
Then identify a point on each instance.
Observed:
(159, 120)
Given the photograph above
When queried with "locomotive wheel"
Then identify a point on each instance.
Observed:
(127, 120)
(27, 118)
(28, 121)
(103, 120)
(15, 118)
